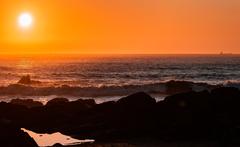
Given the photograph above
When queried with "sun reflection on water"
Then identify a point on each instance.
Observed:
(24, 64)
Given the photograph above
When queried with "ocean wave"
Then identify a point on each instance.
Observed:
(169, 87)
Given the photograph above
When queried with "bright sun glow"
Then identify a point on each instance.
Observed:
(25, 20)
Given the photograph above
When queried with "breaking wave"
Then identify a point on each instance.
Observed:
(169, 87)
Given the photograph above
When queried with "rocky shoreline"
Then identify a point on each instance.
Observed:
(201, 118)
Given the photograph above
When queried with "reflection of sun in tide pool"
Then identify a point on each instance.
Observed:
(51, 139)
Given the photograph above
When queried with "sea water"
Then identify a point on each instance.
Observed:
(113, 76)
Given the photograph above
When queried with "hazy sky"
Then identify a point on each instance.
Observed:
(121, 26)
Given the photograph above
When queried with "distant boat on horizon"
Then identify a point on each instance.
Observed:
(222, 53)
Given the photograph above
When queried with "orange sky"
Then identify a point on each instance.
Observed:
(121, 26)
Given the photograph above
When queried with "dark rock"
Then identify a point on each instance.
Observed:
(86, 102)
(106, 107)
(14, 137)
(57, 145)
(174, 87)
(186, 116)
(139, 100)
(27, 80)
(57, 102)
(29, 103)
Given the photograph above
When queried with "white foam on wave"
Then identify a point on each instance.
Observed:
(154, 88)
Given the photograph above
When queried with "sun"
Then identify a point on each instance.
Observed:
(25, 20)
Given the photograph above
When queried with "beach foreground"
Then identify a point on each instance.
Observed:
(186, 119)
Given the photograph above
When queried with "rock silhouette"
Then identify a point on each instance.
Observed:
(14, 137)
(29, 103)
(211, 116)
(27, 80)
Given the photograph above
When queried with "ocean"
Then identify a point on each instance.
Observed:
(112, 76)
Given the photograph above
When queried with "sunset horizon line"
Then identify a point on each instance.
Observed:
(154, 54)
